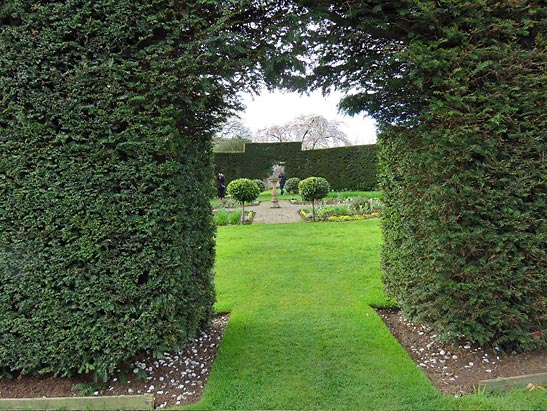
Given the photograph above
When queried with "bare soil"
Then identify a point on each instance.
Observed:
(174, 379)
(458, 370)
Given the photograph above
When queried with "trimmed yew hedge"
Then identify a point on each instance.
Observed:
(106, 236)
(345, 168)
(351, 168)
(465, 189)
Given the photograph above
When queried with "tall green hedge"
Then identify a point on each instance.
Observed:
(351, 168)
(106, 237)
(465, 188)
(345, 168)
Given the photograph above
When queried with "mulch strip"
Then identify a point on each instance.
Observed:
(458, 370)
(174, 379)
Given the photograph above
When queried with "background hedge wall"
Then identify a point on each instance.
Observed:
(352, 168)
(106, 237)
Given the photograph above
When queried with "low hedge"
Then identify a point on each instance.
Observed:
(291, 186)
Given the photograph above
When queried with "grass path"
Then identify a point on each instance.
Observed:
(302, 334)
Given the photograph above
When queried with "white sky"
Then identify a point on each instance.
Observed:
(276, 108)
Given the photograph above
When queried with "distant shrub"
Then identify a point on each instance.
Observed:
(291, 186)
(243, 190)
(261, 184)
(352, 167)
(312, 189)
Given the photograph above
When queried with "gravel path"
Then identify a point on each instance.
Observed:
(286, 213)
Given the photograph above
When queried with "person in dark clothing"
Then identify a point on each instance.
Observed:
(282, 180)
(221, 187)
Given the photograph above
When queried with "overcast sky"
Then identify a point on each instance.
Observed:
(277, 108)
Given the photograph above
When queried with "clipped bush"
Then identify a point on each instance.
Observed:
(243, 190)
(312, 189)
(291, 186)
(465, 190)
(106, 233)
(261, 184)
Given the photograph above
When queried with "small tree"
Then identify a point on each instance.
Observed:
(292, 185)
(313, 188)
(243, 190)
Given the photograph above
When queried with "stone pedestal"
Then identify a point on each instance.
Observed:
(275, 200)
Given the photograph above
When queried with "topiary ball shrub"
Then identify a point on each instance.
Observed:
(261, 184)
(291, 186)
(313, 188)
(243, 190)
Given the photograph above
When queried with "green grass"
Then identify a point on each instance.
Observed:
(351, 194)
(302, 334)
(267, 195)
(227, 217)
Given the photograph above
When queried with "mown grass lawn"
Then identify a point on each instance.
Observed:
(302, 334)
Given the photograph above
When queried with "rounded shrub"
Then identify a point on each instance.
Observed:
(243, 190)
(291, 186)
(312, 189)
(261, 184)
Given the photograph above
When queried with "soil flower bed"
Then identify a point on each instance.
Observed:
(350, 209)
(308, 216)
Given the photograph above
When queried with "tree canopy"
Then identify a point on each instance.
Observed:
(232, 136)
(313, 131)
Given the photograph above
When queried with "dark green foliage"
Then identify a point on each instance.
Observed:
(466, 189)
(312, 189)
(229, 145)
(291, 186)
(261, 184)
(344, 167)
(257, 160)
(106, 117)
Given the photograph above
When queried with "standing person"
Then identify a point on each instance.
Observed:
(282, 180)
(221, 187)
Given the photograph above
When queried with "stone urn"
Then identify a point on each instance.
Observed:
(275, 200)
